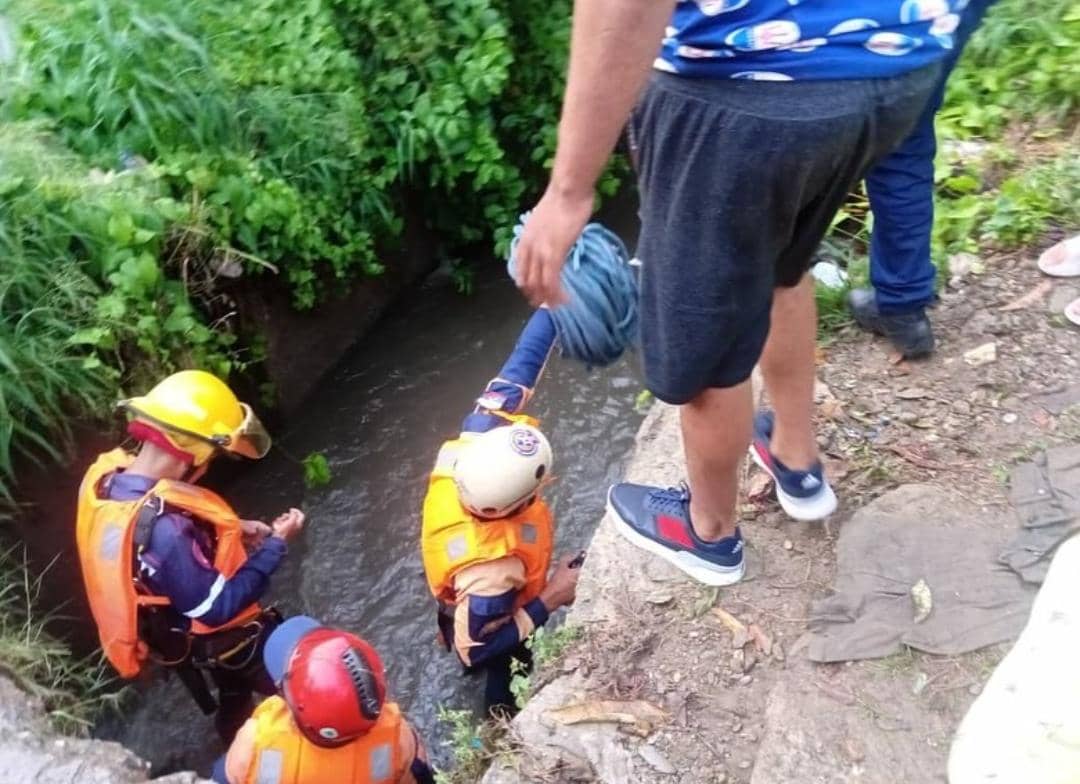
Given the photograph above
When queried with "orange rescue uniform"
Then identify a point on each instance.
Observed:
(105, 531)
(270, 749)
(464, 555)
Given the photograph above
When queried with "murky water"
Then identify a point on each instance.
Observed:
(380, 418)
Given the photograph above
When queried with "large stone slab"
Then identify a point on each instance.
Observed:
(31, 753)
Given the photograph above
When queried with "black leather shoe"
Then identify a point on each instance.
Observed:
(910, 333)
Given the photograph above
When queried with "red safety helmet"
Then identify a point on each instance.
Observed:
(334, 685)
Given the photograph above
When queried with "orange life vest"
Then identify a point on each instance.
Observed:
(105, 532)
(452, 539)
(284, 756)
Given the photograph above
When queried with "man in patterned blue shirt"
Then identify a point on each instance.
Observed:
(759, 117)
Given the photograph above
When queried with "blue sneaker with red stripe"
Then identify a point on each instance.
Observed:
(658, 521)
(804, 495)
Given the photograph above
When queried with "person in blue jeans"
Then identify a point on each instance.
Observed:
(901, 190)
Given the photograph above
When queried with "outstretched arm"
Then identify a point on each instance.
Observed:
(614, 43)
(512, 389)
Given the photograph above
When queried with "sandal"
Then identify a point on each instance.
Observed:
(1072, 311)
(1062, 260)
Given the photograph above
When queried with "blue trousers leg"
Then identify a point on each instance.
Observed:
(901, 191)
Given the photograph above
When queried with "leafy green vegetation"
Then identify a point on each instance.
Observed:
(73, 691)
(547, 647)
(155, 151)
(316, 470)
(473, 745)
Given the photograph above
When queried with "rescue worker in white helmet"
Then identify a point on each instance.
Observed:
(487, 533)
(164, 560)
(331, 722)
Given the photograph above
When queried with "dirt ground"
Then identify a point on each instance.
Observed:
(726, 667)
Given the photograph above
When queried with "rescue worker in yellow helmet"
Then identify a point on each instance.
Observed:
(487, 534)
(164, 561)
(331, 723)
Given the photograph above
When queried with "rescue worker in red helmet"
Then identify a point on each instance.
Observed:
(164, 561)
(330, 723)
(487, 534)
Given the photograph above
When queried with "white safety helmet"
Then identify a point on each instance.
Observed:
(499, 470)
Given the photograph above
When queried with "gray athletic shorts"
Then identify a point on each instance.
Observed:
(739, 181)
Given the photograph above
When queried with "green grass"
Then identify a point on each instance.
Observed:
(73, 691)
(473, 745)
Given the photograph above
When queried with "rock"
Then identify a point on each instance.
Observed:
(749, 660)
(657, 761)
(913, 393)
(740, 638)
(31, 751)
(962, 407)
(660, 598)
(746, 680)
(738, 659)
(789, 545)
(1010, 418)
(981, 355)
(961, 265)
(908, 417)
(1060, 297)
(745, 765)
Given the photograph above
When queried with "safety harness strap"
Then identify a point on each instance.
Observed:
(149, 512)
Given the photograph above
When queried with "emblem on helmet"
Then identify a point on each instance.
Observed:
(524, 442)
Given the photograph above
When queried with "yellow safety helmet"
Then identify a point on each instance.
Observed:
(198, 415)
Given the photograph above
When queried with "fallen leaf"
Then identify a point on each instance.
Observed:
(660, 597)
(913, 393)
(835, 469)
(923, 599)
(915, 456)
(740, 638)
(832, 409)
(729, 620)
(638, 716)
(822, 391)
(981, 355)
(836, 693)
(1043, 419)
(1032, 297)
(761, 639)
(760, 486)
(657, 761)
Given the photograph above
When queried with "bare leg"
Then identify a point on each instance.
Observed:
(716, 427)
(787, 365)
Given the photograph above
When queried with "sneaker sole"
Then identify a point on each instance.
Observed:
(699, 569)
(801, 509)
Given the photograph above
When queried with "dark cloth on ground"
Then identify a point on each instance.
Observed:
(739, 182)
(1046, 496)
(918, 533)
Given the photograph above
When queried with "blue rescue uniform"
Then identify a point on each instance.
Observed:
(178, 563)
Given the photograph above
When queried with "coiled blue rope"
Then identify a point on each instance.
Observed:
(600, 320)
